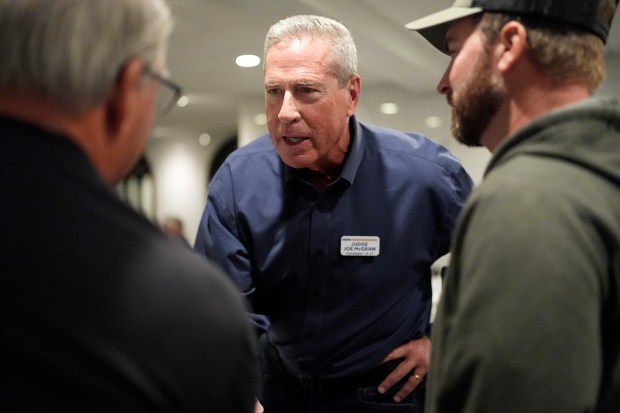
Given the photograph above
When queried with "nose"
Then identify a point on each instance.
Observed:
(443, 87)
(288, 111)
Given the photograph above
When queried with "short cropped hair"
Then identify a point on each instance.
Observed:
(73, 50)
(566, 53)
(344, 52)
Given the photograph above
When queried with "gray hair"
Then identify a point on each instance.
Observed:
(73, 50)
(344, 52)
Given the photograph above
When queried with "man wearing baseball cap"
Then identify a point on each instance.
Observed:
(530, 314)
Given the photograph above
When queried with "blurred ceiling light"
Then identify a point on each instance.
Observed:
(204, 139)
(183, 101)
(260, 119)
(389, 108)
(160, 132)
(247, 60)
(433, 122)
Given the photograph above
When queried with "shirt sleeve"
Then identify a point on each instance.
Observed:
(455, 188)
(219, 239)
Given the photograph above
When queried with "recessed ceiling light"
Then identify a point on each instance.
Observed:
(389, 108)
(247, 60)
(183, 101)
(433, 122)
(204, 139)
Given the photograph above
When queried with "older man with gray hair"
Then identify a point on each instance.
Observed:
(100, 310)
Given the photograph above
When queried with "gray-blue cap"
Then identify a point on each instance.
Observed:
(584, 14)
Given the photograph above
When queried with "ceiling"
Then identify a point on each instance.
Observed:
(210, 34)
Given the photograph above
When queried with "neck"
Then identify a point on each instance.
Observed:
(325, 172)
(524, 105)
(318, 179)
(83, 128)
(36, 108)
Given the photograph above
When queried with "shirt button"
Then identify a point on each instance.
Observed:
(318, 253)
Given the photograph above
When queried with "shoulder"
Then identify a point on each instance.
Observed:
(179, 293)
(249, 167)
(174, 266)
(161, 270)
(197, 317)
(411, 148)
(260, 148)
(530, 195)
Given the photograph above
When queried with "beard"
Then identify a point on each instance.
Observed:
(476, 103)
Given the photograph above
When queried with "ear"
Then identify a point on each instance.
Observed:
(355, 88)
(121, 105)
(512, 45)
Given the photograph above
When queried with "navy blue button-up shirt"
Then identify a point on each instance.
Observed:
(279, 238)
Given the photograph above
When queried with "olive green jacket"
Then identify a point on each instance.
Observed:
(529, 319)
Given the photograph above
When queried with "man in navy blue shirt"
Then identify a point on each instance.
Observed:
(330, 227)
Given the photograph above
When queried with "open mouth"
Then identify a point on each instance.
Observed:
(294, 139)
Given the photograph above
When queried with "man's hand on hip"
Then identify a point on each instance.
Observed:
(416, 354)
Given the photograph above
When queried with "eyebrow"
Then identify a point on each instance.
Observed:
(302, 83)
(306, 83)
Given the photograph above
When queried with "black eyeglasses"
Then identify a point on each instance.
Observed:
(168, 95)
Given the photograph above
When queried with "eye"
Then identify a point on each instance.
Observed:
(452, 47)
(306, 89)
(272, 91)
(452, 52)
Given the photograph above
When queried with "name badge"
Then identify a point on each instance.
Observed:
(360, 246)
